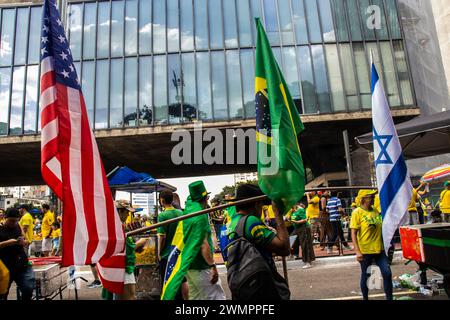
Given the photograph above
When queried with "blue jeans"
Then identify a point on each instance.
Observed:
(25, 284)
(382, 262)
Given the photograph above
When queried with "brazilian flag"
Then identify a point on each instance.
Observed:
(186, 245)
(281, 175)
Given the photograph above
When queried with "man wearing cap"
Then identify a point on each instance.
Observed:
(444, 202)
(46, 229)
(265, 240)
(12, 254)
(366, 227)
(203, 277)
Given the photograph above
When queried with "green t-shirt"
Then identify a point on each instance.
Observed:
(130, 255)
(201, 225)
(298, 215)
(255, 231)
(168, 230)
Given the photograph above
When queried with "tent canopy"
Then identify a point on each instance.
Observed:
(420, 137)
(125, 179)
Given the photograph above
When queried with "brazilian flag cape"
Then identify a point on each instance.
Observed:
(186, 245)
(281, 175)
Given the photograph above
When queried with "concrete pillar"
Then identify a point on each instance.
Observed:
(362, 163)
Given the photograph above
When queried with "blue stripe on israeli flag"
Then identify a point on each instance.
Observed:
(394, 184)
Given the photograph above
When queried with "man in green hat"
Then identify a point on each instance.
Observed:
(444, 202)
(203, 277)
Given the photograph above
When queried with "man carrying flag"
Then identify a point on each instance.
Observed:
(71, 164)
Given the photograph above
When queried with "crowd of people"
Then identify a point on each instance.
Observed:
(316, 221)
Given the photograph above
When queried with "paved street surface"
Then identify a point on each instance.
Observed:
(326, 280)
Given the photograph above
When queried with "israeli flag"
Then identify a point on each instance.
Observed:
(394, 184)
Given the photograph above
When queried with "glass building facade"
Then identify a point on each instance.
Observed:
(160, 62)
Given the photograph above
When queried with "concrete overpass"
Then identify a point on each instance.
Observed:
(148, 149)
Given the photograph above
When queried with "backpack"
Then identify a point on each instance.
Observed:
(250, 277)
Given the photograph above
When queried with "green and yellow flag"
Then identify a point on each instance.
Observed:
(281, 174)
(186, 245)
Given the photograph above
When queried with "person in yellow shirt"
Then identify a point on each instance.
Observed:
(2, 217)
(312, 213)
(56, 234)
(268, 216)
(444, 202)
(27, 224)
(46, 230)
(366, 227)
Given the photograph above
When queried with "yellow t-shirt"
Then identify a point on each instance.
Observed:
(56, 233)
(444, 204)
(148, 223)
(312, 211)
(368, 224)
(47, 221)
(129, 218)
(28, 221)
(377, 204)
(414, 199)
(270, 213)
(288, 221)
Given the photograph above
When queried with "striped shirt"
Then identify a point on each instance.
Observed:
(333, 206)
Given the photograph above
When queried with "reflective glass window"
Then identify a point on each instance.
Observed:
(307, 79)
(101, 94)
(173, 31)
(116, 93)
(341, 23)
(159, 26)
(326, 18)
(103, 30)
(15, 121)
(348, 74)
(5, 80)
(201, 24)
(320, 74)
(290, 73)
(145, 90)
(145, 26)
(403, 74)
(175, 82)
(256, 12)
(230, 24)
(204, 86)
(277, 55)
(189, 87)
(87, 83)
(89, 39)
(368, 28)
(270, 17)
(389, 74)
(248, 81)
(244, 22)
(298, 13)
(160, 89)
(131, 95)
(21, 36)
(392, 16)
(215, 24)
(287, 32)
(234, 84)
(312, 14)
(34, 42)
(7, 37)
(31, 105)
(335, 78)
(131, 14)
(353, 19)
(78, 70)
(187, 26)
(117, 25)
(363, 75)
(219, 85)
(382, 32)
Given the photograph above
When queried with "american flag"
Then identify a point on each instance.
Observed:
(71, 164)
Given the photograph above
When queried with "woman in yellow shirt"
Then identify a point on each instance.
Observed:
(366, 235)
(444, 202)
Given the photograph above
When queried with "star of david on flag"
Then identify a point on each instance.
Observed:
(383, 142)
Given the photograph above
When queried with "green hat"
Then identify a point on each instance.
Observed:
(197, 190)
(447, 183)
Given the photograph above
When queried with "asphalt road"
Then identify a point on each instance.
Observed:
(338, 281)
